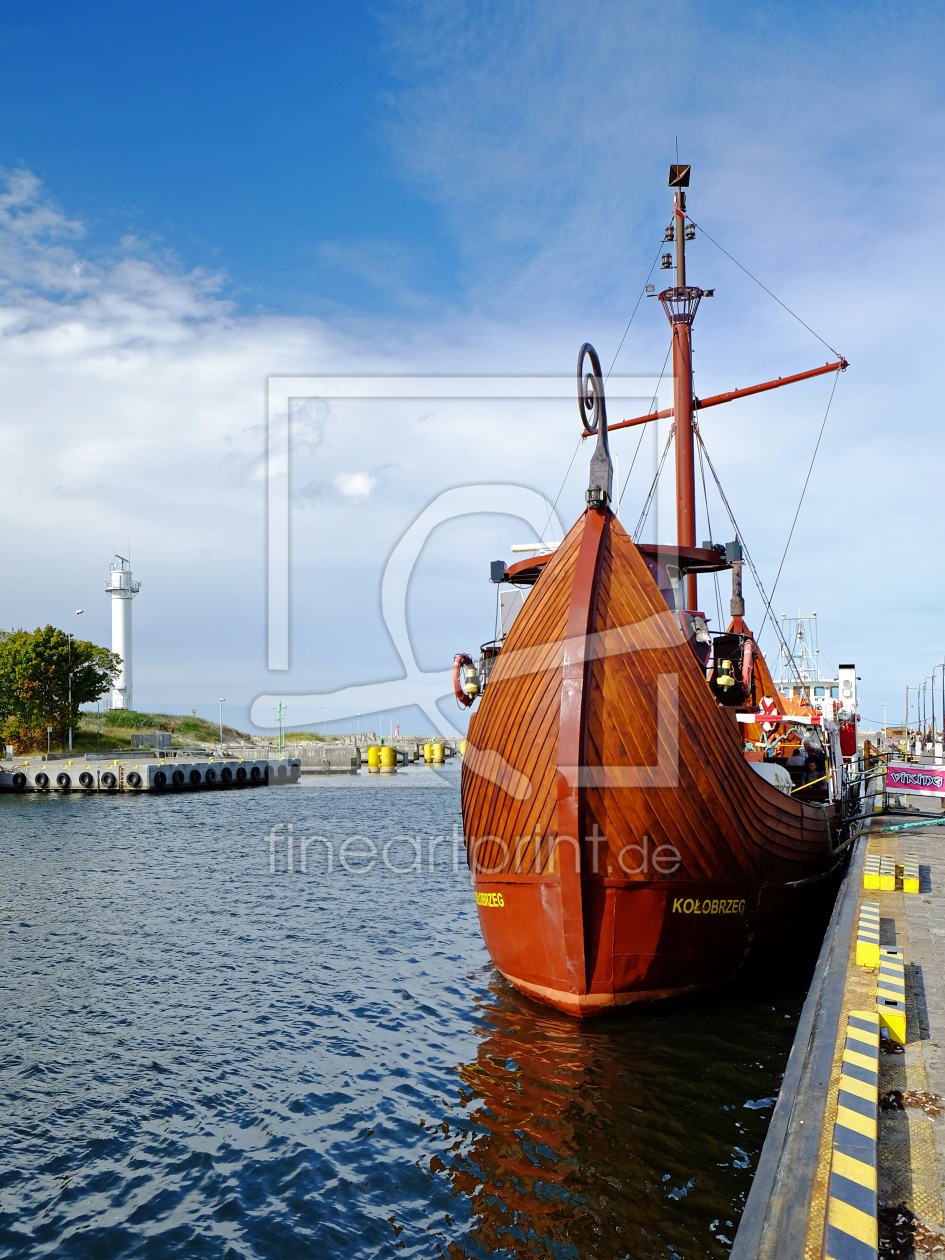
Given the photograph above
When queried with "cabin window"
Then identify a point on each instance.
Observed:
(819, 691)
(835, 693)
(675, 576)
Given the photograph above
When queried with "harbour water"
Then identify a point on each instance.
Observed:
(205, 1053)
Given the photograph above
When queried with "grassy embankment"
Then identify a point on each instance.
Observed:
(118, 726)
(114, 729)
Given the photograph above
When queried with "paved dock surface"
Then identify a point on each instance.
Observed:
(911, 1138)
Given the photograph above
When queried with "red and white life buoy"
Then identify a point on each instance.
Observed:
(768, 708)
(462, 662)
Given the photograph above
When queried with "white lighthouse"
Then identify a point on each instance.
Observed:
(122, 588)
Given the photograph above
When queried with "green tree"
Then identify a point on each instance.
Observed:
(34, 683)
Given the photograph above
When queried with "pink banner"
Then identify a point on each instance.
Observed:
(920, 780)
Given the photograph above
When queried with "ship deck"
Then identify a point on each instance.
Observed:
(792, 1197)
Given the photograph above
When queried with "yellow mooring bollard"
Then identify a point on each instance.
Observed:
(388, 760)
(427, 754)
(373, 759)
(462, 748)
(438, 754)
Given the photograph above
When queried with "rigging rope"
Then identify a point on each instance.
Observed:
(635, 309)
(751, 563)
(606, 378)
(705, 495)
(649, 498)
(765, 287)
(560, 488)
(836, 378)
(643, 429)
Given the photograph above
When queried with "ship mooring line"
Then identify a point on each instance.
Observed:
(765, 287)
(635, 309)
(820, 435)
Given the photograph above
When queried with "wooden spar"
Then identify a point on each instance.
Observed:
(681, 315)
(699, 404)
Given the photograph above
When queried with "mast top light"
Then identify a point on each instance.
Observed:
(679, 176)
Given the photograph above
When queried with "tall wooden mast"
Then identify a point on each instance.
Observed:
(680, 304)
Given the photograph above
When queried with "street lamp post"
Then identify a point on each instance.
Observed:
(222, 702)
(935, 742)
(77, 613)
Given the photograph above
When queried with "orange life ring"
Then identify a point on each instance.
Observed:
(459, 660)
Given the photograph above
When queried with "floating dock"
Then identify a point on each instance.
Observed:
(853, 1165)
(139, 776)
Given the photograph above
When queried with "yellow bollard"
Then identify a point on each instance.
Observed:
(427, 754)
(462, 748)
(373, 759)
(438, 754)
(388, 760)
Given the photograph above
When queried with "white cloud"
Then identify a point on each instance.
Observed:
(354, 485)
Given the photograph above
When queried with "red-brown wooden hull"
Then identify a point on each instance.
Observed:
(622, 849)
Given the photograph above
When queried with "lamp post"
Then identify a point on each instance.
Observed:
(77, 613)
(222, 702)
(326, 726)
(935, 743)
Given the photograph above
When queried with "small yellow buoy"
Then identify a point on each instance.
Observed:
(388, 760)
(373, 759)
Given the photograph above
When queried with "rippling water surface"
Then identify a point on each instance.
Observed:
(202, 1056)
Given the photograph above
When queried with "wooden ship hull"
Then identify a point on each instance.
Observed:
(622, 848)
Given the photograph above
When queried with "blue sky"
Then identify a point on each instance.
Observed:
(239, 136)
(198, 198)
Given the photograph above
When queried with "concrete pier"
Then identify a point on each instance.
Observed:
(800, 1206)
(138, 776)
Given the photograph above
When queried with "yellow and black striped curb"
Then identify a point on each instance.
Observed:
(910, 873)
(871, 870)
(891, 994)
(852, 1232)
(867, 935)
(887, 874)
